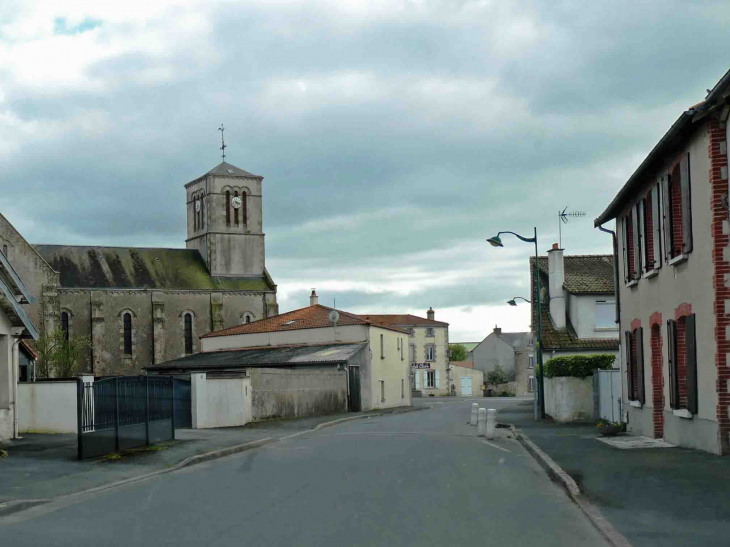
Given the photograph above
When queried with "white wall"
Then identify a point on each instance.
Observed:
(220, 402)
(47, 407)
(477, 379)
(569, 399)
(583, 316)
(6, 378)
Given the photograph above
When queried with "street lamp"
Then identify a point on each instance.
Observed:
(496, 241)
(513, 303)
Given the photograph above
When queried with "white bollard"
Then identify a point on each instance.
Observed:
(491, 423)
(474, 410)
(482, 423)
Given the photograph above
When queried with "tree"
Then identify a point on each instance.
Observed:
(59, 356)
(458, 352)
(496, 376)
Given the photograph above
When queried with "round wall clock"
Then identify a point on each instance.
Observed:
(197, 205)
(236, 202)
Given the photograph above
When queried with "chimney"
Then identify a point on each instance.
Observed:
(430, 314)
(497, 330)
(313, 299)
(556, 274)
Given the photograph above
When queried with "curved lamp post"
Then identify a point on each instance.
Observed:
(496, 241)
(513, 303)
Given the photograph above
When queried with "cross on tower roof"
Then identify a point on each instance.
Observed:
(223, 142)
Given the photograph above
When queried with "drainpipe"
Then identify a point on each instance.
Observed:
(14, 379)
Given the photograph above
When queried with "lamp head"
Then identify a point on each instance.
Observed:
(512, 302)
(495, 241)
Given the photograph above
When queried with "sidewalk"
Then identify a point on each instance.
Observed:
(654, 496)
(44, 467)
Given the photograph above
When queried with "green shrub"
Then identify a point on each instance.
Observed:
(578, 366)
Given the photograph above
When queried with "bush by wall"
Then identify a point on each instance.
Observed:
(578, 366)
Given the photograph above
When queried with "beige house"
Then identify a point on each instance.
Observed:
(377, 377)
(428, 351)
(468, 380)
(15, 325)
(514, 353)
(674, 257)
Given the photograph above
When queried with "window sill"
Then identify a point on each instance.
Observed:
(682, 413)
(650, 274)
(677, 259)
(632, 283)
(636, 404)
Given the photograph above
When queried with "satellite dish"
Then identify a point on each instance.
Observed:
(334, 316)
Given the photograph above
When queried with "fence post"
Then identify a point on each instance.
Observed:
(79, 410)
(116, 413)
(147, 410)
(172, 406)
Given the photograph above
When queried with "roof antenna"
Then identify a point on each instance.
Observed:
(223, 142)
(563, 218)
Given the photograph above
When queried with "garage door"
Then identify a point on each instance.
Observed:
(466, 386)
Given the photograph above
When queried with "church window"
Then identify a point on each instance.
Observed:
(244, 210)
(235, 211)
(228, 207)
(247, 317)
(127, 317)
(64, 325)
(195, 215)
(202, 212)
(188, 334)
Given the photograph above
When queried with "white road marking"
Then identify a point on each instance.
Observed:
(497, 447)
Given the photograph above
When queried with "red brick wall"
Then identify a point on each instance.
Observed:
(657, 380)
(649, 234)
(676, 213)
(634, 369)
(682, 362)
(721, 267)
(630, 250)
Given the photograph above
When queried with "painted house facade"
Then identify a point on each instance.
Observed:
(428, 352)
(513, 352)
(672, 235)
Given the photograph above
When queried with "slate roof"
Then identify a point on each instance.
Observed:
(402, 320)
(225, 168)
(300, 354)
(140, 267)
(12, 293)
(565, 339)
(311, 317)
(586, 274)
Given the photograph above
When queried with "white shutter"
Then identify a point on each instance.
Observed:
(418, 379)
(437, 379)
(656, 221)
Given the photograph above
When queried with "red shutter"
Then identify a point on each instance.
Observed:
(656, 225)
(667, 218)
(629, 366)
(640, 365)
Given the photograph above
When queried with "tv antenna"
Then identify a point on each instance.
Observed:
(563, 218)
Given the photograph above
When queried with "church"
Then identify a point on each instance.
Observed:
(141, 306)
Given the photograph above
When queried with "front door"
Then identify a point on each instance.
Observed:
(354, 389)
(466, 386)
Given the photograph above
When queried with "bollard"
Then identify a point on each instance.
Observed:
(491, 422)
(474, 409)
(482, 422)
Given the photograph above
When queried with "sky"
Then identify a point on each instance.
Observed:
(394, 137)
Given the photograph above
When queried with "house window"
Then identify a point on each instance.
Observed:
(530, 384)
(64, 325)
(235, 211)
(628, 237)
(413, 333)
(431, 379)
(188, 334)
(647, 228)
(677, 213)
(401, 349)
(531, 362)
(228, 207)
(429, 332)
(127, 319)
(412, 353)
(683, 363)
(634, 347)
(402, 388)
(382, 347)
(382, 391)
(430, 352)
(605, 314)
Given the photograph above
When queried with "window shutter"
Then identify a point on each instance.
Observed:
(686, 204)
(642, 235)
(656, 226)
(625, 239)
(691, 345)
(629, 365)
(636, 274)
(666, 218)
(437, 379)
(640, 365)
(671, 340)
(418, 378)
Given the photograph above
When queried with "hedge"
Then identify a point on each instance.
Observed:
(578, 366)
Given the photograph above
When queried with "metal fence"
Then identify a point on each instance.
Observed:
(124, 412)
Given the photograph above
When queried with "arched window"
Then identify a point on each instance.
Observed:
(202, 212)
(235, 211)
(228, 207)
(64, 325)
(244, 210)
(195, 215)
(188, 334)
(127, 317)
(247, 317)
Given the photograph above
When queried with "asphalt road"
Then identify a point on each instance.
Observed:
(419, 478)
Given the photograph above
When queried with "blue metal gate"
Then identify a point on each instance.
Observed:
(183, 404)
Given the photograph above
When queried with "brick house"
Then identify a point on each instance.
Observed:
(671, 243)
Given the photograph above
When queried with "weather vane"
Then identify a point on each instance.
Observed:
(563, 218)
(223, 142)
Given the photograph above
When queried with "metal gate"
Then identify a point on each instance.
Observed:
(466, 386)
(353, 378)
(609, 394)
(124, 412)
(183, 404)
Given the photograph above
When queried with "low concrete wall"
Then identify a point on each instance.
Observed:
(294, 393)
(477, 379)
(47, 407)
(569, 399)
(220, 402)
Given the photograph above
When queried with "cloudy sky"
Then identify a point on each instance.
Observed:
(394, 137)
